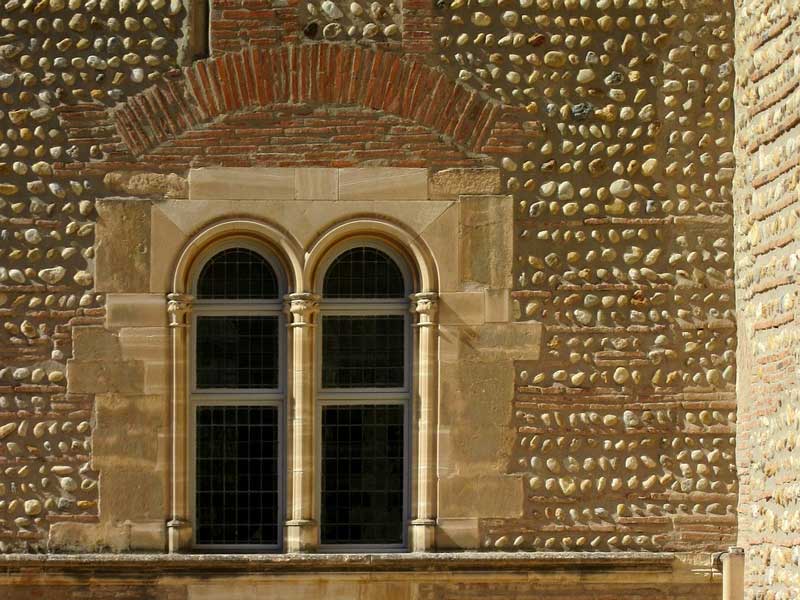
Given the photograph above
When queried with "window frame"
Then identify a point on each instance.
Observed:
(402, 396)
(400, 547)
(275, 397)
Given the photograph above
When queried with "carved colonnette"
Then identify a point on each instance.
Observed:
(302, 529)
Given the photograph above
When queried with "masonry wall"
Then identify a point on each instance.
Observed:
(766, 214)
(612, 123)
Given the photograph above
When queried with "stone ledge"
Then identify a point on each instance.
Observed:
(150, 565)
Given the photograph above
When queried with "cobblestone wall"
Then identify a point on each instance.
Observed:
(625, 429)
(766, 215)
(612, 122)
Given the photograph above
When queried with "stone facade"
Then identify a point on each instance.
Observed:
(766, 232)
(579, 155)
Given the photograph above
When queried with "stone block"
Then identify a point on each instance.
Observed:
(148, 536)
(458, 308)
(105, 376)
(241, 183)
(383, 184)
(467, 494)
(68, 537)
(139, 183)
(457, 533)
(440, 236)
(487, 240)
(497, 306)
(93, 342)
(136, 310)
(316, 184)
(123, 246)
(149, 344)
(132, 457)
(309, 587)
(451, 183)
(157, 377)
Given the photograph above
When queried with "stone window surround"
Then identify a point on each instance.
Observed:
(302, 304)
(456, 227)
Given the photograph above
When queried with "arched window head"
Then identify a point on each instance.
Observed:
(237, 274)
(237, 398)
(364, 272)
(364, 392)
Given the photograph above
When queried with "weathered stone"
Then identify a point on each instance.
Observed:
(554, 59)
(33, 507)
(147, 184)
(622, 188)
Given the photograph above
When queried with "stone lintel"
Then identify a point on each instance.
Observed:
(322, 183)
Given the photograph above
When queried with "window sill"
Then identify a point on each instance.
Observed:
(189, 564)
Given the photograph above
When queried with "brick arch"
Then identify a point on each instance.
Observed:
(318, 73)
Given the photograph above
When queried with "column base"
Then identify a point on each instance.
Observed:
(179, 536)
(422, 535)
(302, 536)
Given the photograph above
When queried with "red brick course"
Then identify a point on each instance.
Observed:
(314, 74)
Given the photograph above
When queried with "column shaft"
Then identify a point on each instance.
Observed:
(424, 522)
(302, 529)
(179, 532)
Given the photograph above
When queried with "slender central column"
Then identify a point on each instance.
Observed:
(179, 532)
(302, 533)
(423, 525)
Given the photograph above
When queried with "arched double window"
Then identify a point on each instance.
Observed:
(357, 387)
(237, 399)
(363, 393)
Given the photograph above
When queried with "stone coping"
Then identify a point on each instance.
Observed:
(149, 565)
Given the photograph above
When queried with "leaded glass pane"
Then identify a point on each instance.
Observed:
(236, 499)
(237, 352)
(362, 474)
(237, 274)
(363, 351)
(364, 272)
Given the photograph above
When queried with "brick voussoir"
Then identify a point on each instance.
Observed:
(315, 74)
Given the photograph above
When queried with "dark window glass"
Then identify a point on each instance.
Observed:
(364, 273)
(237, 352)
(363, 351)
(237, 274)
(362, 474)
(237, 475)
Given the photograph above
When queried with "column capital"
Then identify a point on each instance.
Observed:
(425, 305)
(302, 306)
(178, 308)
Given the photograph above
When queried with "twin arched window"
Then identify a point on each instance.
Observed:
(239, 399)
